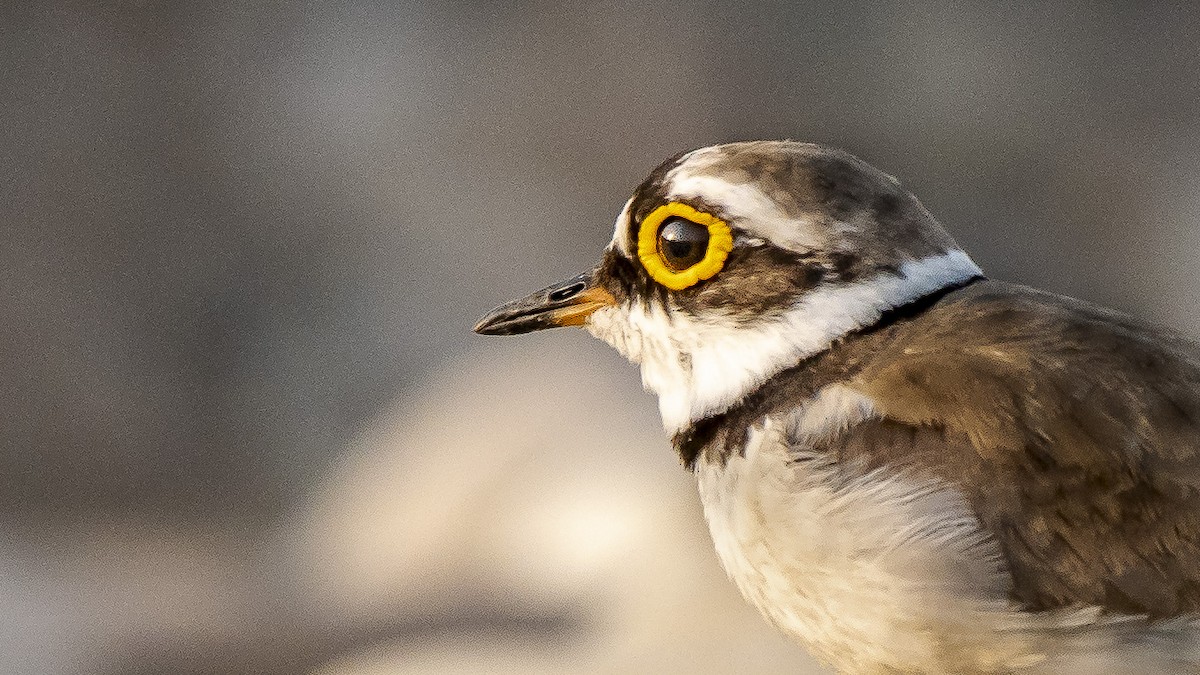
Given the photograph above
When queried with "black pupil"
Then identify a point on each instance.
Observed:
(682, 243)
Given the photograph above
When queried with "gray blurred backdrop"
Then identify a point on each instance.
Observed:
(244, 426)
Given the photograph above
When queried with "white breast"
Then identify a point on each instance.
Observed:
(883, 572)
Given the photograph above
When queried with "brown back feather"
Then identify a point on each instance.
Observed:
(1074, 432)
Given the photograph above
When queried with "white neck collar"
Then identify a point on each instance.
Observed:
(701, 366)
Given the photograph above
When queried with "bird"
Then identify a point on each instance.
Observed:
(905, 465)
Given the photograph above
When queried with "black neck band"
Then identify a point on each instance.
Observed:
(690, 442)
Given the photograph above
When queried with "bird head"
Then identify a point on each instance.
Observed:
(734, 262)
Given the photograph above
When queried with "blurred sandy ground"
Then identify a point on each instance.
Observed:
(243, 424)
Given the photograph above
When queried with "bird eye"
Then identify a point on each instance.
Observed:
(682, 243)
(680, 246)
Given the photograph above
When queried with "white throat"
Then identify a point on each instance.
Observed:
(701, 366)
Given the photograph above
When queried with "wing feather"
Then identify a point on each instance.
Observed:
(1073, 431)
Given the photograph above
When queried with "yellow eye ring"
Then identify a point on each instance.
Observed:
(720, 243)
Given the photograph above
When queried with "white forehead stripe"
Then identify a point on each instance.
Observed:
(746, 207)
(621, 230)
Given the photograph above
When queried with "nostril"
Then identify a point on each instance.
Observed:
(567, 292)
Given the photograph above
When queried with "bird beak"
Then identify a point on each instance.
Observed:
(568, 303)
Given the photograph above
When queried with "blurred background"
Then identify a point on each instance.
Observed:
(244, 426)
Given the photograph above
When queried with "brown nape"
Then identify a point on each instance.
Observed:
(1072, 431)
(872, 215)
(881, 226)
